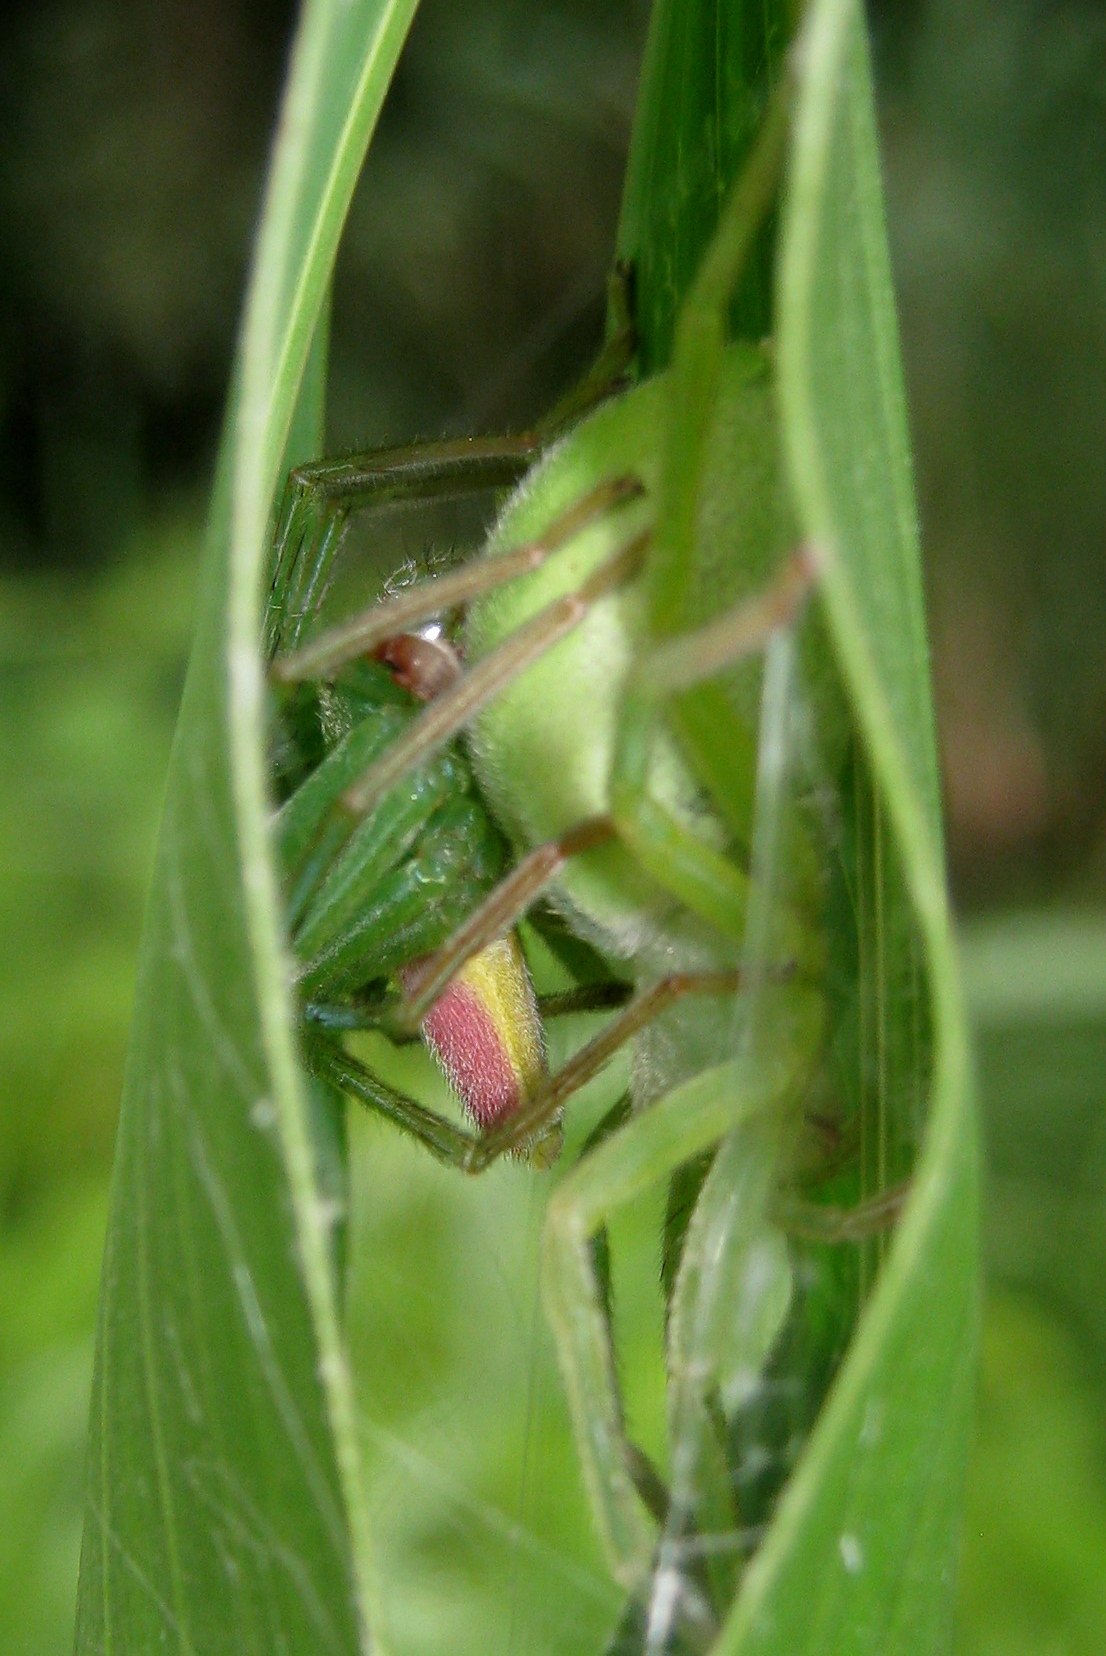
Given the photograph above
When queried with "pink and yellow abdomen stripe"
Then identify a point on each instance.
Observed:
(485, 1031)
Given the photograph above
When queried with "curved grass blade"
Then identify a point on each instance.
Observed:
(224, 1503)
(706, 79)
(860, 1556)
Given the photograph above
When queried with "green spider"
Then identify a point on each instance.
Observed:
(595, 734)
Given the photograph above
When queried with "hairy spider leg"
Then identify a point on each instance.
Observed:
(438, 594)
(746, 629)
(715, 1105)
(724, 886)
(339, 849)
(320, 497)
(536, 1123)
(331, 807)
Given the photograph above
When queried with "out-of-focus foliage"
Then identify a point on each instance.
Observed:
(1032, 1577)
(469, 288)
(89, 678)
(91, 673)
(1036, 1526)
(993, 115)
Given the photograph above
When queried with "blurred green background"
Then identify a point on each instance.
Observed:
(133, 140)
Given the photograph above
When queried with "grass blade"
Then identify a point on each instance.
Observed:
(224, 1503)
(860, 1557)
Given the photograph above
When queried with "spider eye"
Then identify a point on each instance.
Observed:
(423, 662)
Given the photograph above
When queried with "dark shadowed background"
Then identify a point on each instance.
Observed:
(132, 140)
